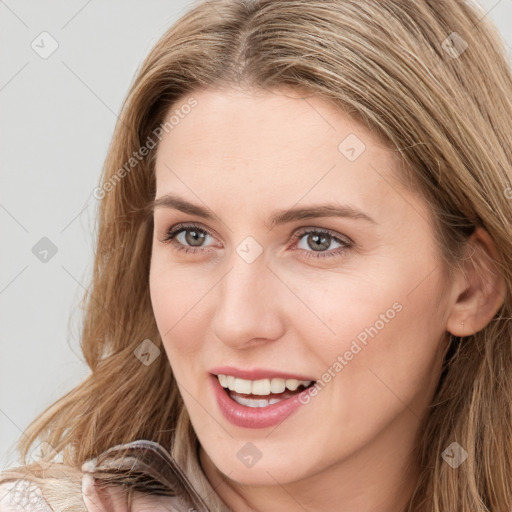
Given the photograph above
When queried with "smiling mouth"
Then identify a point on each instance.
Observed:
(263, 392)
(259, 401)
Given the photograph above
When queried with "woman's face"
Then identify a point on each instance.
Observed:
(354, 298)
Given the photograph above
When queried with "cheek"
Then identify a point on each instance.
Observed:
(178, 306)
(344, 308)
(376, 322)
(390, 353)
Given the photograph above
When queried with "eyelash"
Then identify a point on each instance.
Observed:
(340, 251)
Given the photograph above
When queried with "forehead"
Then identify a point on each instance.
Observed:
(262, 148)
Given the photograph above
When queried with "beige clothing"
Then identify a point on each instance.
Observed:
(141, 457)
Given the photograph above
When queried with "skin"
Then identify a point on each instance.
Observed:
(244, 154)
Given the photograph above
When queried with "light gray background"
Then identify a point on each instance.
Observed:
(57, 118)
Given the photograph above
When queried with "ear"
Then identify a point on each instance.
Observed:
(479, 288)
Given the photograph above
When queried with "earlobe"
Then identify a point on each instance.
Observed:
(480, 287)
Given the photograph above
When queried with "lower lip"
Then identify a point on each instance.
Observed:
(257, 417)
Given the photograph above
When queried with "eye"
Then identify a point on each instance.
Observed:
(183, 234)
(319, 239)
(190, 237)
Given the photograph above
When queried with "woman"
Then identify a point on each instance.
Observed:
(302, 280)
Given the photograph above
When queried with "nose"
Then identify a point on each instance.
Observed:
(249, 310)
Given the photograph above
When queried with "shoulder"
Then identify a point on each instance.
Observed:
(22, 496)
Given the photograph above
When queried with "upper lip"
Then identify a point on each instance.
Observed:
(257, 373)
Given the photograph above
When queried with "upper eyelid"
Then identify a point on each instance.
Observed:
(178, 228)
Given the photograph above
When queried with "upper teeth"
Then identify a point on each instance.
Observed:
(260, 387)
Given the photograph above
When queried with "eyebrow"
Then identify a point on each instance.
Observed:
(277, 218)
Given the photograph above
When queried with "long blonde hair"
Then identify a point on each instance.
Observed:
(430, 77)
